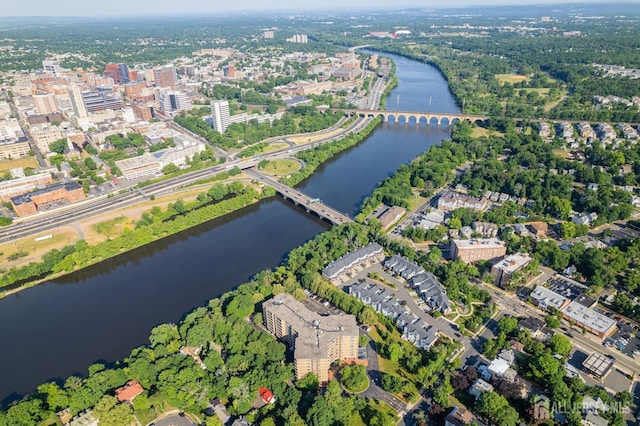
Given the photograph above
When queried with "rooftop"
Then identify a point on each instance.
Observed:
(478, 242)
(336, 267)
(26, 198)
(548, 297)
(590, 318)
(129, 391)
(597, 364)
(513, 262)
(313, 332)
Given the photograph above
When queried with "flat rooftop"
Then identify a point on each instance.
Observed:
(478, 243)
(513, 262)
(589, 317)
(314, 331)
(597, 364)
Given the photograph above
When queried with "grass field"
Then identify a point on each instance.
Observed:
(274, 147)
(281, 167)
(481, 131)
(6, 165)
(313, 137)
(542, 91)
(511, 78)
(35, 249)
(415, 202)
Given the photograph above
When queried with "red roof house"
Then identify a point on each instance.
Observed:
(129, 391)
(267, 396)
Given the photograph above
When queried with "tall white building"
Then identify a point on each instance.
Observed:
(220, 115)
(77, 103)
(128, 115)
(52, 67)
(171, 101)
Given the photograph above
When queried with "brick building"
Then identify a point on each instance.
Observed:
(27, 204)
(473, 250)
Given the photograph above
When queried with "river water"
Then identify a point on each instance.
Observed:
(102, 312)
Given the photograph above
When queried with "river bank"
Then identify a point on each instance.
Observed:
(101, 312)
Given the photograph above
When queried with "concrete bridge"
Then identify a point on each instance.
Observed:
(416, 117)
(310, 204)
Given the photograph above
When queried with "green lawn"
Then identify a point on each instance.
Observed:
(281, 167)
(510, 78)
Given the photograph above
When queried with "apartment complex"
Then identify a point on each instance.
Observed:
(473, 250)
(504, 270)
(317, 340)
(350, 262)
(174, 101)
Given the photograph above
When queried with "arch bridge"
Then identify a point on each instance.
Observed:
(416, 117)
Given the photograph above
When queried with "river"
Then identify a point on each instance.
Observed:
(100, 313)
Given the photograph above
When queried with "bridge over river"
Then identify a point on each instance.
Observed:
(299, 198)
(439, 117)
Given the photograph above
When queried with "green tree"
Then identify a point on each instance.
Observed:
(58, 146)
(442, 393)
(560, 345)
(109, 413)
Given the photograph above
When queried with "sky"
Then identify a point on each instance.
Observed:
(182, 7)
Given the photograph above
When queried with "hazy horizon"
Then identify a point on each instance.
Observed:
(70, 8)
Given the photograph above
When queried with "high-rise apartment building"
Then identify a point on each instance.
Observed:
(165, 76)
(317, 340)
(52, 66)
(45, 104)
(77, 103)
(220, 115)
(118, 72)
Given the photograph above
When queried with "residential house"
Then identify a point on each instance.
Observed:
(403, 267)
(349, 262)
(459, 416)
(129, 391)
(432, 292)
(478, 387)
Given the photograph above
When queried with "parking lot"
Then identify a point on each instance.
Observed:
(626, 340)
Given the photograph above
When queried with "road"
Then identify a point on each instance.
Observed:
(334, 216)
(50, 220)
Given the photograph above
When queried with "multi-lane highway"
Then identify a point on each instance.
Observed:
(91, 207)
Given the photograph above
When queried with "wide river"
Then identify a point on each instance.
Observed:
(100, 313)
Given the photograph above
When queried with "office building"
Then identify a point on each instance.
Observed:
(165, 76)
(590, 320)
(101, 99)
(143, 112)
(473, 250)
(45, 104)
(118, 72)
(220, 115)
(128, 115)
(52, 66)
(22, 185)
(173, 101)
(77, 102)
(13, 149)
(317, 340)
(27, 204)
